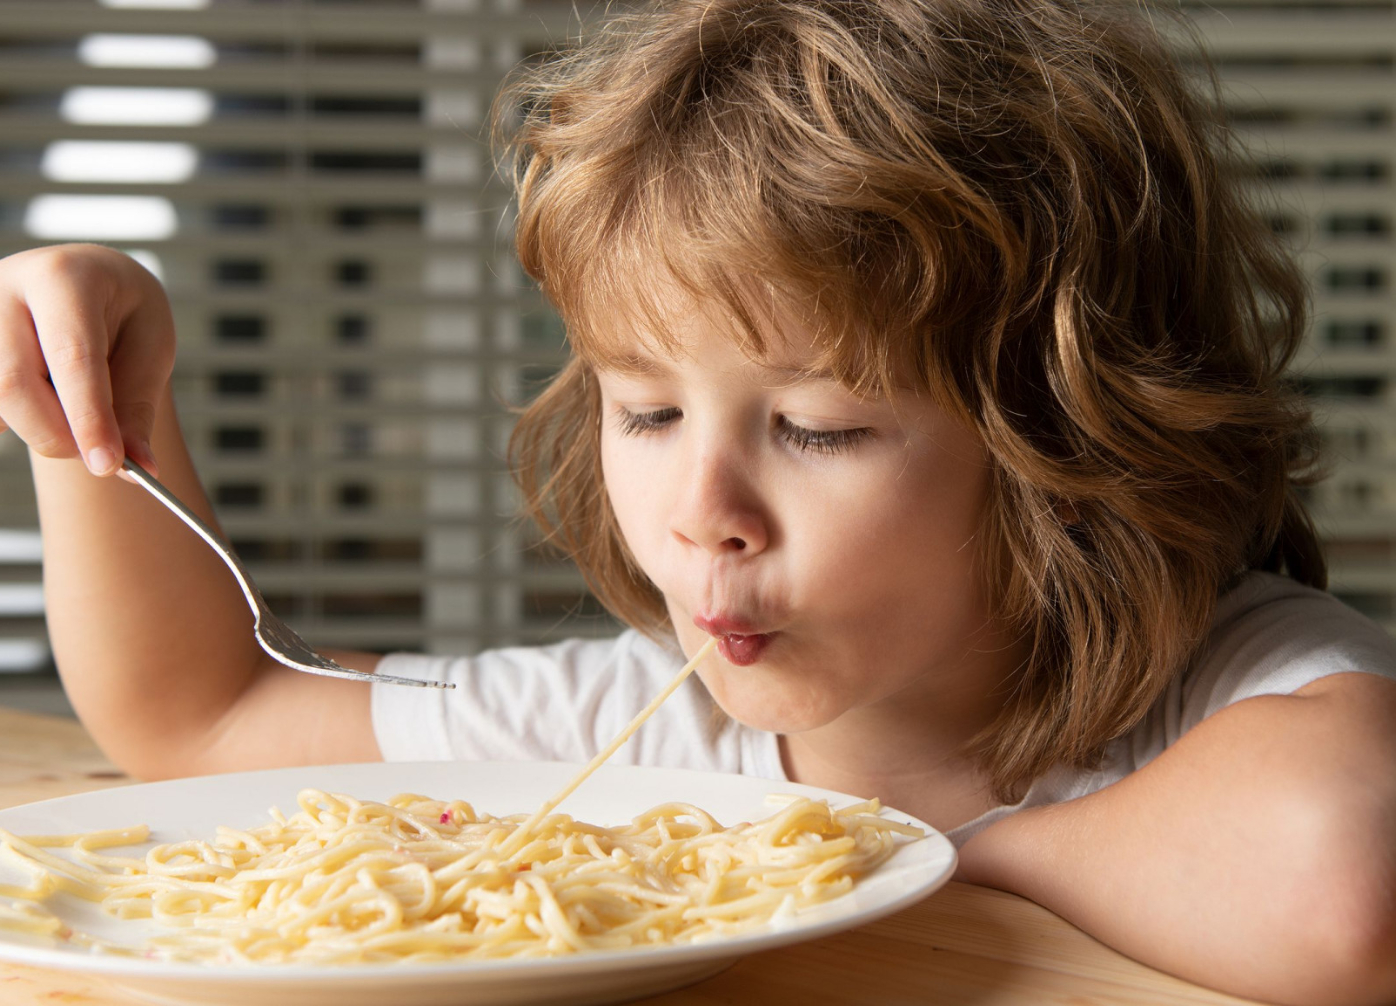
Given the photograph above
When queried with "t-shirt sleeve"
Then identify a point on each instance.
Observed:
(1283, 637)
(556, 703)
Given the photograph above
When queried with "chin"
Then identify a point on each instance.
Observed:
(766, 708)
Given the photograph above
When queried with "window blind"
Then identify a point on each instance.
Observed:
(312, 183)
(1310, 88)
(314, 187)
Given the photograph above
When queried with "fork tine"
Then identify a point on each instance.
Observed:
(282, 643)
(330, 669)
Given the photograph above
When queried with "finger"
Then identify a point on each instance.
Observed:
(28, 404)
(140, 369)
(75, 338)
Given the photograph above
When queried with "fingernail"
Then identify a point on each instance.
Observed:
(100, 461)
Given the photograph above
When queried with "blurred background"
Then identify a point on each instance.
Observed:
(312, 183)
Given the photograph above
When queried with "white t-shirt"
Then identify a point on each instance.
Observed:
(564, 702)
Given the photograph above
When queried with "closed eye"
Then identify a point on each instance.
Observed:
(820, 441)
(635, 423)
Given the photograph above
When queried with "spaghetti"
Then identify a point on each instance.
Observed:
(346, 881)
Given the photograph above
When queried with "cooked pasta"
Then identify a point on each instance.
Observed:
(415, 879)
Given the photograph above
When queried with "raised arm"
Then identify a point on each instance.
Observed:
(152, 637)
(1257, 855)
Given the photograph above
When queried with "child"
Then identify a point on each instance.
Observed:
(926, 357)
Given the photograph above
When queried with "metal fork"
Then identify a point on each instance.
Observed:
(274, 635)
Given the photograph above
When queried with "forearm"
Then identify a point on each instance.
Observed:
(150, 633)
(1242, 865)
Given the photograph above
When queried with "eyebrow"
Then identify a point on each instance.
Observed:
(800, 373)
(633, 364)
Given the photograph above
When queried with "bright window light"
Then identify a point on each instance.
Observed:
(20, 546)
(136, 106)
(157, 4)
(149, 259)
(100, 218)
(171, 51)
(21, 599)
(118, 161)
(18, 655)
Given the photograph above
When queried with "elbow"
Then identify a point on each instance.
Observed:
(1354, 964)
(1311, 920)
(152, 769)
(1352, 938)
(1361, 942)
(172, 756)
(148, 755)
(1340, 959)
(153, 739)
(149, 762)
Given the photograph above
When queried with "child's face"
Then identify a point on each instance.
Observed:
(829, 541)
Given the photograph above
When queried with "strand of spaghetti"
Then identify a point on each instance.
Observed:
(522, 833)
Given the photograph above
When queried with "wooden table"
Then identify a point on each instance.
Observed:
(964, 944)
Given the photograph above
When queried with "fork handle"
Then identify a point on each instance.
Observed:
(225, 551)
(249, 590)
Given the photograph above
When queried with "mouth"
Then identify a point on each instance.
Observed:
(738, 641)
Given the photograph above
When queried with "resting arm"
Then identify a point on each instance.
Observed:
(1257, 855)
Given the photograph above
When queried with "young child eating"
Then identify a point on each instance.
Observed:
(926, 355)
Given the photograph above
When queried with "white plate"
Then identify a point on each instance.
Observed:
(190, 808)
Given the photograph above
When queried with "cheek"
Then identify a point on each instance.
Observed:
(634, 485)
(913, 545)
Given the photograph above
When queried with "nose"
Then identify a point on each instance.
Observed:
(719, 510)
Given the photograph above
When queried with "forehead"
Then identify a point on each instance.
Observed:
(649, 293)
(780, 360)
(647, 327)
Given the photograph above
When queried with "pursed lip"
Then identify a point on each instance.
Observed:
(727, 625)
(740, 642)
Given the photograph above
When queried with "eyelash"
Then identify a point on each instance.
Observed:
(816, 441)
(632, 424)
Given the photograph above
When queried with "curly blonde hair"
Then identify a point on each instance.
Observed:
(1022, 207)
